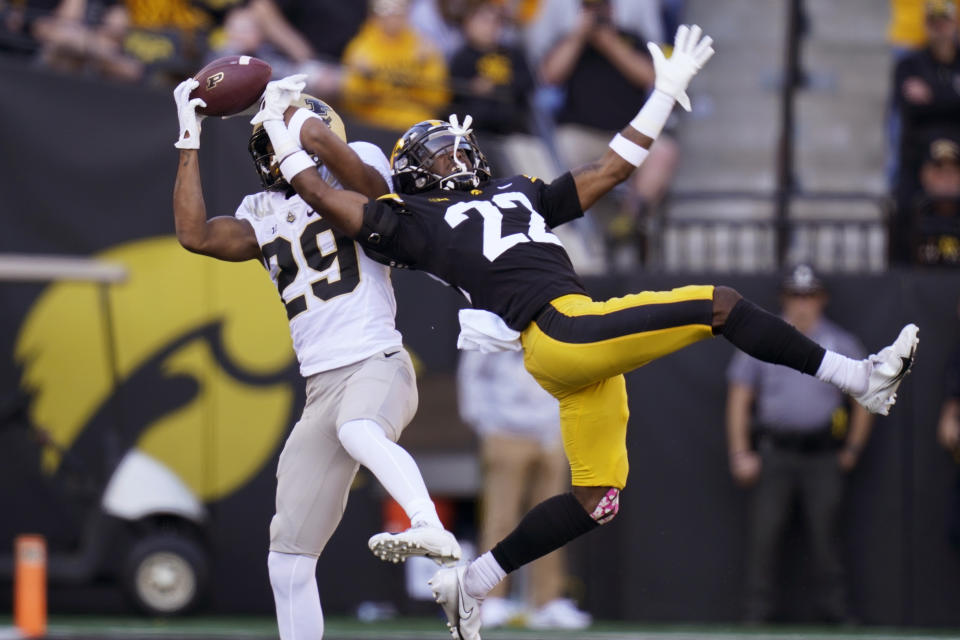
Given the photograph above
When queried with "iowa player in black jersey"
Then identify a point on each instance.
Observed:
(491, 239)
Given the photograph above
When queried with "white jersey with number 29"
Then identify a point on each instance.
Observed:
(340, 303)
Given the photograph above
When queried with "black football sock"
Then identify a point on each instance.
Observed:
(767, 337)
(545, 528)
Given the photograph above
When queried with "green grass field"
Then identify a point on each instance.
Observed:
(260, 628)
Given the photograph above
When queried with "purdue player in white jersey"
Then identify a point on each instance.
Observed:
(361, 390)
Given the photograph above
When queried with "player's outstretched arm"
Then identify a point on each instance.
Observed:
(224, 237)
(342, 161)
(596, 178)
(630, 147)
(342, 208)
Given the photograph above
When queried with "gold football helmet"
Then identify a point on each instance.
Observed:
(262, 151)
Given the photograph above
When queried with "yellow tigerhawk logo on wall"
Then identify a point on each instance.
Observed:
(205, 379)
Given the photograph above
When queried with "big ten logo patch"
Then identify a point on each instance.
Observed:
(203, 377)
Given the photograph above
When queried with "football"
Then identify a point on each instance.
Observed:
(231, 84)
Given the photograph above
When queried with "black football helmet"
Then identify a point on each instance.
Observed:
(414, 154)
(262, 151)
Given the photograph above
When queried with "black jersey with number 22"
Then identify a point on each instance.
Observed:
(493, 243)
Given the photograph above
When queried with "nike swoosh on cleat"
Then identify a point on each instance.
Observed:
(463, 612)
(905, 364)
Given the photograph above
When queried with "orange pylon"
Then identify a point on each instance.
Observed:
(30, 585)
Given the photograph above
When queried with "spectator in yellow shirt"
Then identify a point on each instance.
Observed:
(907, 30)
(393, 77)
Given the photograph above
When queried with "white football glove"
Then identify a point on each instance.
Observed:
(690, 53)
(187, 113)
(278, 95)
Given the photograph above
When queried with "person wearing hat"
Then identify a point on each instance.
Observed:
(917, 86)
(791, 440)
(906, 31)
(927, 86)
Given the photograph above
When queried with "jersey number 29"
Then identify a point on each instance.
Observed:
(337, 267)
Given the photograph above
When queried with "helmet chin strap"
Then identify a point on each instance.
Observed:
(460, 132)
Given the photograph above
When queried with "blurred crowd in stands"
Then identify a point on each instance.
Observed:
(528, 71)
(924, 131)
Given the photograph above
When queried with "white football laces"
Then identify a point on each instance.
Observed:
(460, 132)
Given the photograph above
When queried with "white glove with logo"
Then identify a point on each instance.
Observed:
(690, 53)
(278, 95)
(187, 113)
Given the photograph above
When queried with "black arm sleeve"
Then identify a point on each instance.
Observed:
(560, 201)
(387, 235)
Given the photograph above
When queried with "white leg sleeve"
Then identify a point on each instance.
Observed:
(294, 582)
(367, 443)
(849, 375)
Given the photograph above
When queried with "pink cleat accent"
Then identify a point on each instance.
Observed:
(608, 507)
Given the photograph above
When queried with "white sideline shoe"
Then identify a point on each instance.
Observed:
(437, 544)
(462, 610)
(890, 366)
(559, 614)
(498, 612)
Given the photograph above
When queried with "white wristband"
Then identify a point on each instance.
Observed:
(300, 116)
(629, 150)
(654, 113)
(283, 143)
(295, 163)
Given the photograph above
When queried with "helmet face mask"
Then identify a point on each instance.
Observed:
(268, 169)
(418, 150)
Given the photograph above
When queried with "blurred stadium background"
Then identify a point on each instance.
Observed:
(144, 397)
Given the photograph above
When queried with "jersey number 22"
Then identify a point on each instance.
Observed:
(494, 243)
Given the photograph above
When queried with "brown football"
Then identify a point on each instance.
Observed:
(231, 84)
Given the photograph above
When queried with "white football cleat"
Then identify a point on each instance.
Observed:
(889, 367)
(437, 544)
(462, 610)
